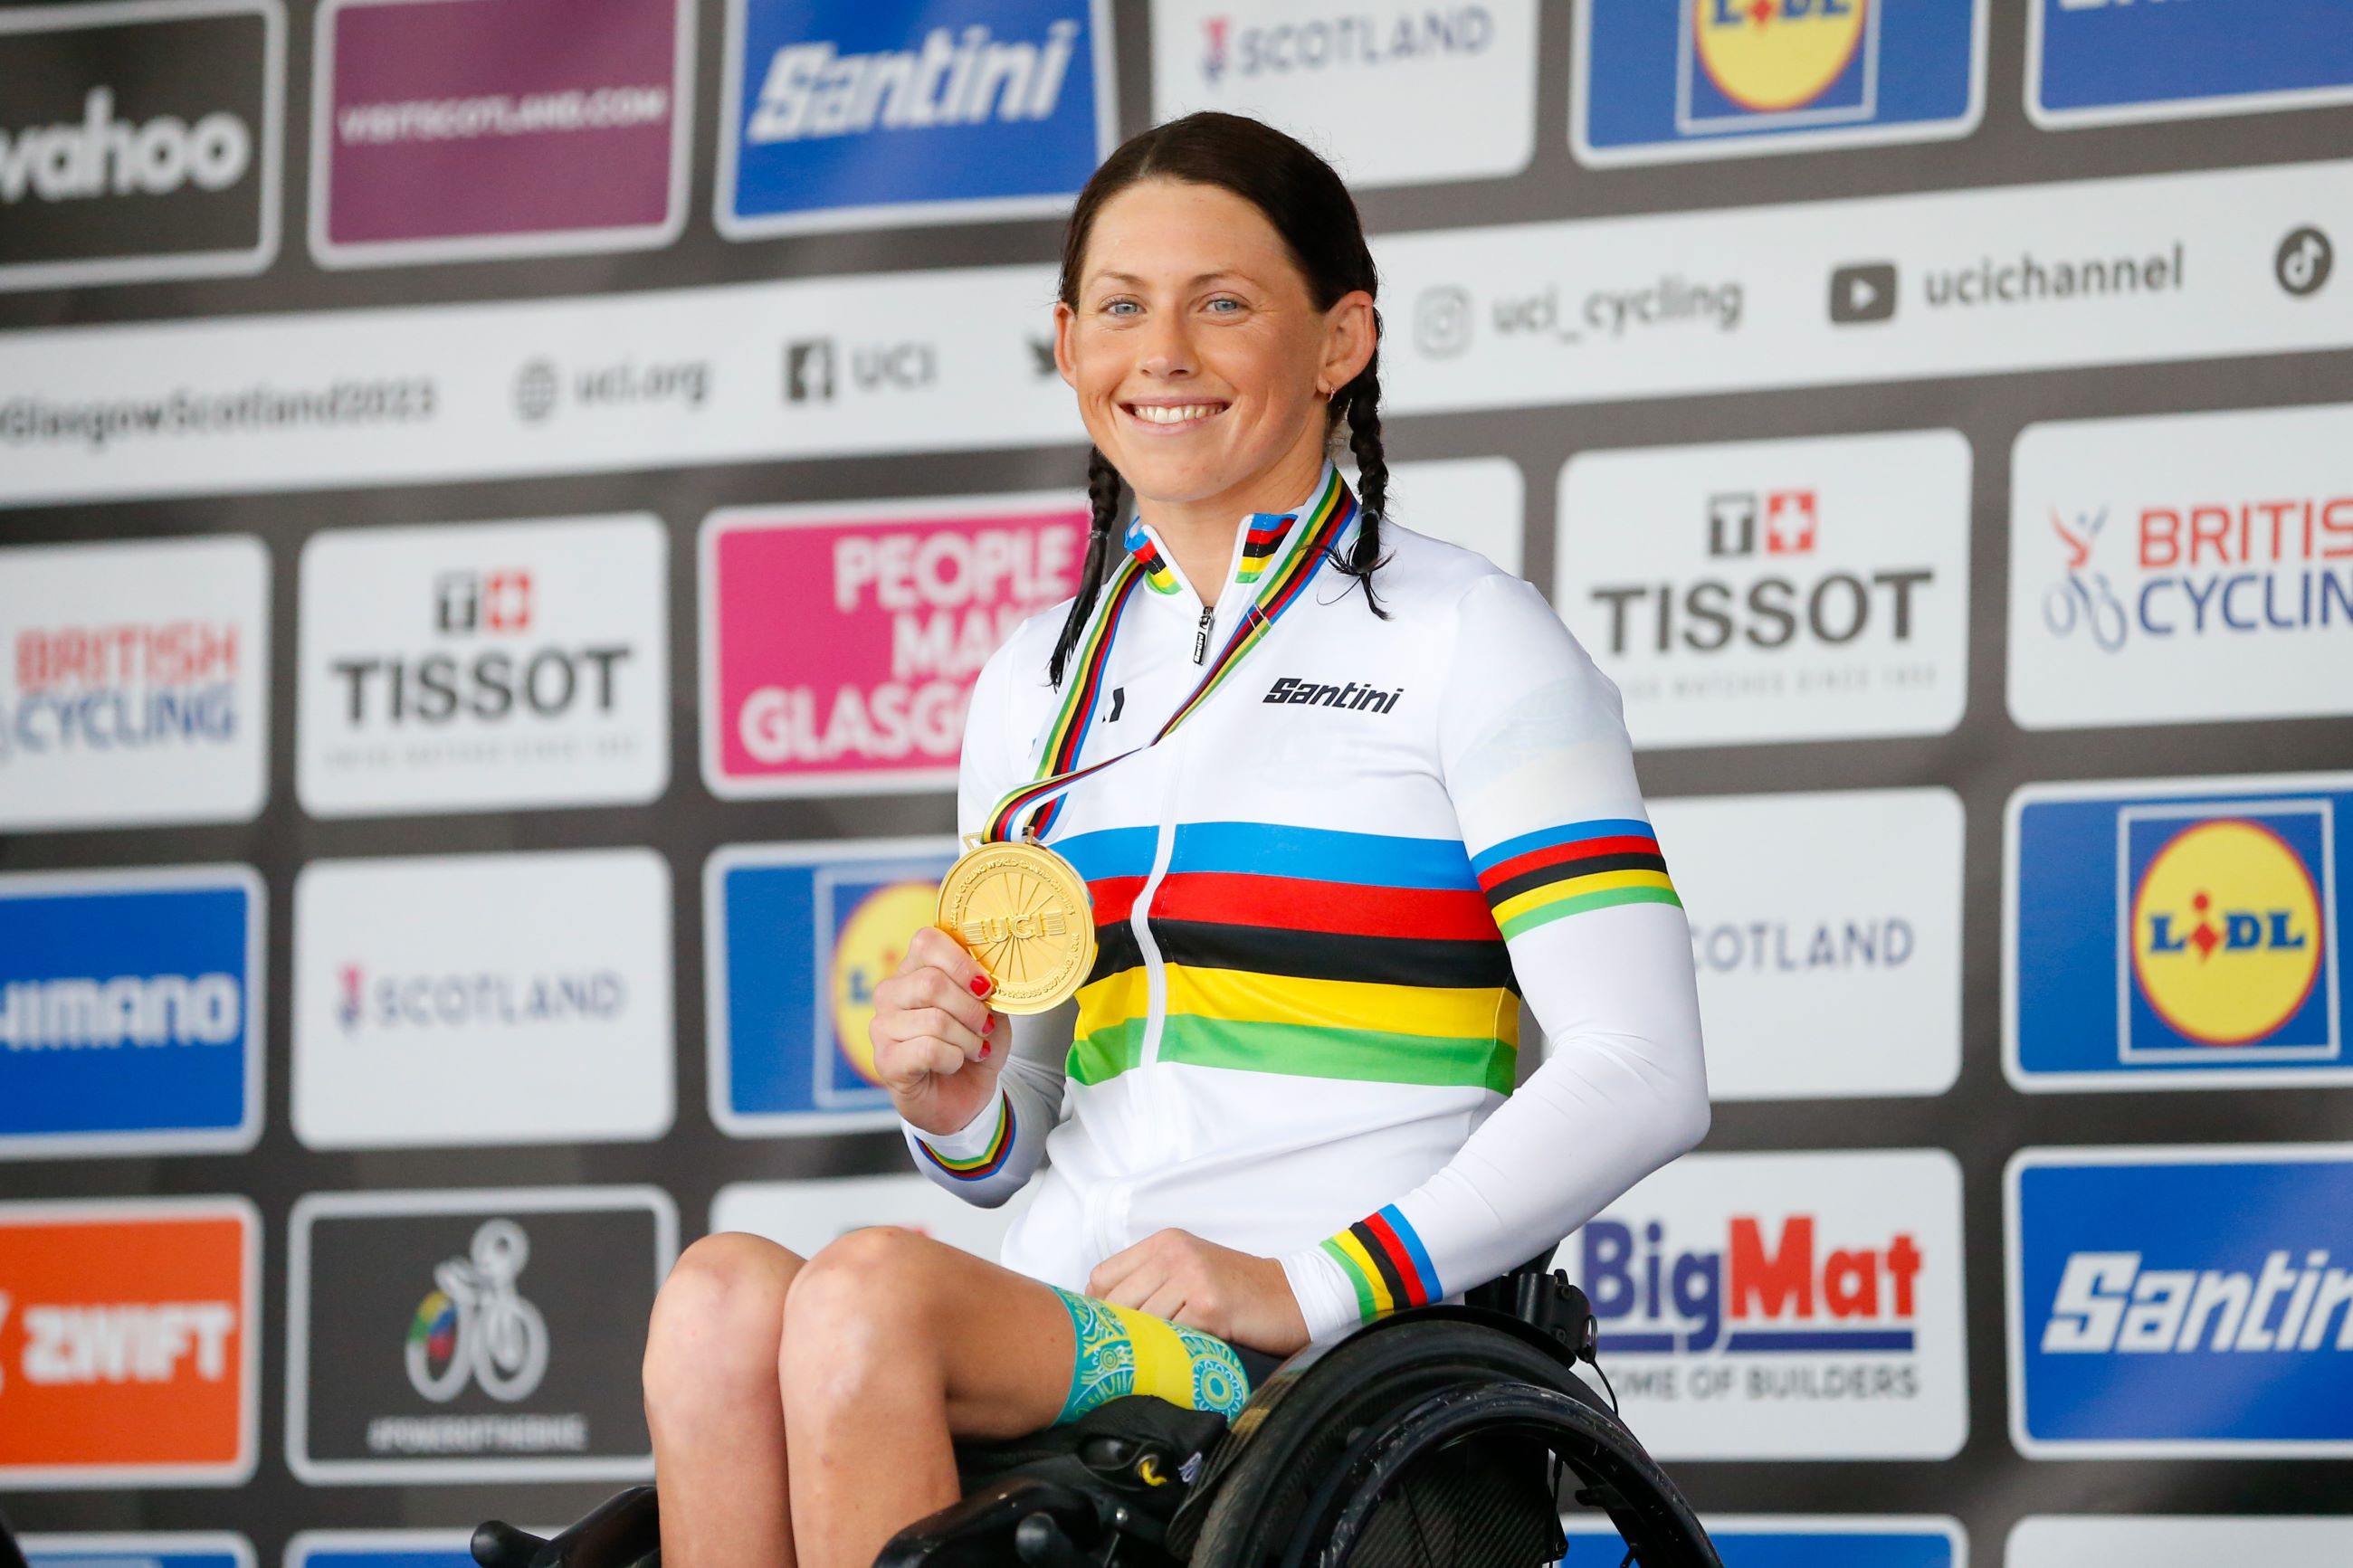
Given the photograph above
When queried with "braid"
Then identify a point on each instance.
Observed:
(1103, 496)
(1364, 415)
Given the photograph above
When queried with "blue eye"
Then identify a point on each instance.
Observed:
(1223, 300)
(1117, 307)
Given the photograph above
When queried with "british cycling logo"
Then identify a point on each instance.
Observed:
(839, 108)
(97, 686)
(475, 1327)
(2200, 567)
(2183, 1300)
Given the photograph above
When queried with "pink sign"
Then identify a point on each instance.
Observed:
(840, 644)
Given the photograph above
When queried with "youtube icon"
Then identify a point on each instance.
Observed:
(1863, 291)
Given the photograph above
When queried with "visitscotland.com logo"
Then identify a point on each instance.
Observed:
(2181, 1301)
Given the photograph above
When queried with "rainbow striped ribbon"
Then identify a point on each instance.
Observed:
(1325, 521)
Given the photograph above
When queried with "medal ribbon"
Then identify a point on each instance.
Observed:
(1324, 521)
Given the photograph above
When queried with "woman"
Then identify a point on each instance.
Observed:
(1319, 900)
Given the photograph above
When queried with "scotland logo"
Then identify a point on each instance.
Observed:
(2183, 932)
(2181, 1301)
(890, 113)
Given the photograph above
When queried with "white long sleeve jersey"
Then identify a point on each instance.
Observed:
(1320, 904)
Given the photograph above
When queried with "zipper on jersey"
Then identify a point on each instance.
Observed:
(1201, 634)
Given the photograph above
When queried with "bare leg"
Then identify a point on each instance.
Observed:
(711, 1399)
(893, 1340)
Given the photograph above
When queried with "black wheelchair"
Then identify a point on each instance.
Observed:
(1442, 1437)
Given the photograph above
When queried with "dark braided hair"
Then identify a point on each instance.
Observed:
(1314, 213)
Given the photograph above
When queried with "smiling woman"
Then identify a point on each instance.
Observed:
(1326, 854)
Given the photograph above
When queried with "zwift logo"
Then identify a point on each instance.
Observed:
(967, 77)
(102, 154)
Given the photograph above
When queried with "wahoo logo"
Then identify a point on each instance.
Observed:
(102, 154)
(2181, 1301)
(1353, 696)
(1771, 1288)
(964, 78)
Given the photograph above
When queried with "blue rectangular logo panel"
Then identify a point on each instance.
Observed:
(131, 1012)
(1808, 1541)
(192, 1549)
(2096, 63)
(1666, 79)
(2181, 1301)
(797, 936)
(2177, 934)
(850, 113)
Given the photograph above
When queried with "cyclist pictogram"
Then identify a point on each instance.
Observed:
(476, 1327)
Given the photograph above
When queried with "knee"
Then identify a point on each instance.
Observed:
(861, 1305)
(718, 1316)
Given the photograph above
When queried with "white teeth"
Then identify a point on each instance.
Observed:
(1173, 415)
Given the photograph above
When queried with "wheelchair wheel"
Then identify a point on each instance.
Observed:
(1435, 1445)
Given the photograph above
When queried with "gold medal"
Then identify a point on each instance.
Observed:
(1024, 914)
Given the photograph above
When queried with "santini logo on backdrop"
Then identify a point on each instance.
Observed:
(965, 78)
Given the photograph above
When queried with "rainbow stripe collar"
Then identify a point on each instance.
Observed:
(1262, 540)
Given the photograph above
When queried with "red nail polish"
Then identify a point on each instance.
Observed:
(980, 985)
(984, 1050)
(988, 1022)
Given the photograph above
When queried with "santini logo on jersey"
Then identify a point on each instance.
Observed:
(2107, 1301)
(1291, 689)
(956, 79)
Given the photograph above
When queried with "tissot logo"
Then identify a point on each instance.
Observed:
(472, 1336)
(457, 668)
(1355, 696)
(138, 141)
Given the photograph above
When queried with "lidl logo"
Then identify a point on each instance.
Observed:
(1707, 78)
(2186, 930)
(801, 935)
(1772, 57)
(2181, 1301)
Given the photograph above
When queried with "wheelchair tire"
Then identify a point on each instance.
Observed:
(1310, 1485)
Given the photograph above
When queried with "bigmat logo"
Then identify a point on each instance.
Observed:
(1785, 1306)
(2181, 933)
(797, 938)
(1815, 919)
(189, 1548)
(1309, 66)
(1717, 78)
(2181, 1301)
(472, 1336)
(880, 113)
(899, 604)
(2102, 62)
(471, 999)
(2177, 1541)
(130, 1011)
(476, 667)
(804, 1216)
(444, 130)
(139, 140)
(1812, 1540)
(1765, 591)
(2180, 567)
(129, 1332)
(134, 683)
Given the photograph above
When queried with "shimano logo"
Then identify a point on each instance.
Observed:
(964, 77)
(1372, 699)
(2108, 1303)
(127, 1010)
(102, 155)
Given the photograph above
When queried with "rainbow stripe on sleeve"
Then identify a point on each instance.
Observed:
(1147, 556)
(1384, 1258)
(1540, 877)
(989, 1161)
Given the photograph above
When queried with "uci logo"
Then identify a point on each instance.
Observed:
(2227, 935)
(1771, 55)
(868, 948)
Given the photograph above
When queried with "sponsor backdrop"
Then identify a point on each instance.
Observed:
(501, 502)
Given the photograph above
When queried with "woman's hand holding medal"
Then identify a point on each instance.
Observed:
(937, 1042)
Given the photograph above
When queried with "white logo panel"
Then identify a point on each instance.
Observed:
(481, 999)
(805, 1215)
(134, 685)
(1785, 1306)
(1479, 503)
(478, 666)
(1827, 932)
(1768, 591)
(2189, 566)
(2177, 1540)
(1311, 66)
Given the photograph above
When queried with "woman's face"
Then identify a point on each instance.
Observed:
(1200, 361)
